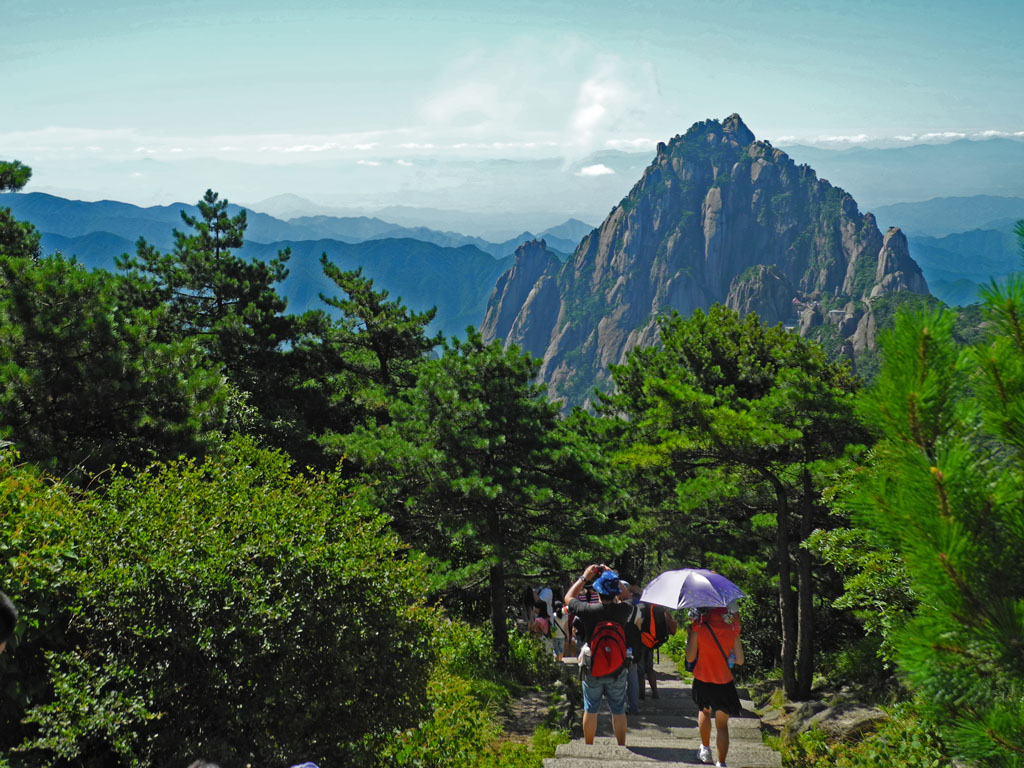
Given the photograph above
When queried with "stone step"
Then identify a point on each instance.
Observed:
(683, 751)
(759, 760)
(662, 720)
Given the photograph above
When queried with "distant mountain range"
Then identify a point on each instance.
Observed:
(881, 177)
(423, 267)
(960, 242)
(458, 281)
(74, 218)
(946, 215)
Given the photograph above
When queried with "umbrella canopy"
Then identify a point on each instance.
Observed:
(691, 588)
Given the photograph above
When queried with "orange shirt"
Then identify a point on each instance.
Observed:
(711, 666)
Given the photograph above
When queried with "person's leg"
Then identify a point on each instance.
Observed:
(632, 702)
(722, 734)
(615, 689)
(652, 678)
(592, 691)
(704, 726)
(619, 726)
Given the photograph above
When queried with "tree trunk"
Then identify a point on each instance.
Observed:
(787, 601)
(805, 586)
(498, 625)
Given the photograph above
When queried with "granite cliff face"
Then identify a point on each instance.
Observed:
(717, 217)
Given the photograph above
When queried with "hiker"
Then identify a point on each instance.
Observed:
(604, 658)
(633, 642)
(714, 690)
(529, 600)
(559, 630)
(656, 625)
(545, 594)
(540, 624)
(8, 618)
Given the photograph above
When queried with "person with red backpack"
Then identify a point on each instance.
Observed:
(605, 656)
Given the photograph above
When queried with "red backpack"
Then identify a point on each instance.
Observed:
(607, 648)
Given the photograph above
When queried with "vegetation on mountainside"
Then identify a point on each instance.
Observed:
(253, 539)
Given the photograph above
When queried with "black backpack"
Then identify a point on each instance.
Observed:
(655, 630)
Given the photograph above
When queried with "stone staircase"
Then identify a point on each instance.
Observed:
(665, 734)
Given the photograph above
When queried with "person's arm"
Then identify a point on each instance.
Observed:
(737, 648)
(692, 644)
(589, 575)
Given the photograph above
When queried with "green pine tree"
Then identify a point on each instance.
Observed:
(479, 470)
(730, 413)
(17, 238)
(946, 493)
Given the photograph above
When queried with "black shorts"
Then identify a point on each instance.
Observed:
(718, 697)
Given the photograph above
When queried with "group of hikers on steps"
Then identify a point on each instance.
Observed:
(617, 636)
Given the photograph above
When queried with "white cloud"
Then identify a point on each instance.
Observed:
(600, 169)
(367, 162)
(601, 98)
(860, 138)
(312, 147)
(942, 136)
(628, 144)
(403, 162)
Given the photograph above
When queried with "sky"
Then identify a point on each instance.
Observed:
(369, 104)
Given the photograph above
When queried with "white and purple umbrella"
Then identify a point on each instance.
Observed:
(691, 588)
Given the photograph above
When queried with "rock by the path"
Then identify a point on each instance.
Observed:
(841, 720)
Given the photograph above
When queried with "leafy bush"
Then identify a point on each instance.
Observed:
(466, 692)
(229, 609)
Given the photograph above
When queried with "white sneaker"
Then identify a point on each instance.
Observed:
(704, 753)
(719, 764)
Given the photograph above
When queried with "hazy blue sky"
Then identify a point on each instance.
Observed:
(405, 85)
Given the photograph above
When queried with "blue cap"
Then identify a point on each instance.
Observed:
(607, 583)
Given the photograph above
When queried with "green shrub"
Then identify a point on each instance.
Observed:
(36, 517)
(467, 690)
(229, 609)
(459, 731)
(463, 732)
(530, 661)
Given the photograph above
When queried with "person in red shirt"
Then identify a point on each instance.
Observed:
(713, 646)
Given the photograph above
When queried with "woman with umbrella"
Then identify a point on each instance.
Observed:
(714, 689)
(712, 646)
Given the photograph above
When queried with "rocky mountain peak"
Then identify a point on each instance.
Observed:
(718, 216)
(734, 126)
(526, 285)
